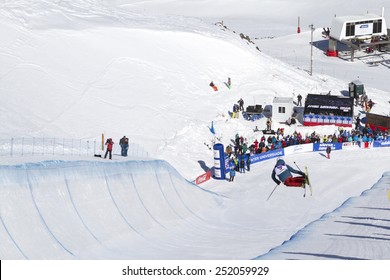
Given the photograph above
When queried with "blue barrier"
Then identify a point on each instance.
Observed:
(267, 155)
(381, 144)
(323, 146)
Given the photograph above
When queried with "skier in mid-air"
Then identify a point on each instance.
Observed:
(284, 173)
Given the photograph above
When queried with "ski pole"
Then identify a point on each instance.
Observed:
(272, 191)
(297, 166)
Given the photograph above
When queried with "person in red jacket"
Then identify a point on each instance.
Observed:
(109, 144)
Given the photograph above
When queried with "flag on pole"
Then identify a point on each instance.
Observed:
(212, 130)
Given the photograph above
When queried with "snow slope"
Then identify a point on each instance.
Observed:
(146, 210)
(357, 230)
(84, 210)
(81, 68)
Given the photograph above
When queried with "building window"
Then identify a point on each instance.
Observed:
(377, 28)
(282, 110)
(350, 29)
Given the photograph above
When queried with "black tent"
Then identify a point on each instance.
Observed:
(329, 105)
(328, 109)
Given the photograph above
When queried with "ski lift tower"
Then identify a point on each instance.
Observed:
(311, 48)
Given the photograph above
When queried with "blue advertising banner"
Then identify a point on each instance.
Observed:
(267, 155)
(323, 146)
(310, 119)
(381, 144)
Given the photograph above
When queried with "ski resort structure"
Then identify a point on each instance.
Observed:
(363, 32)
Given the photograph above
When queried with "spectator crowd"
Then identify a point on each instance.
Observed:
(280, 140)
(240, 150)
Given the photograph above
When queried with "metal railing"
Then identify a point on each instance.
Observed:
(60, 146)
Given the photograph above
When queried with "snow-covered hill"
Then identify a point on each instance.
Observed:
(83, 68)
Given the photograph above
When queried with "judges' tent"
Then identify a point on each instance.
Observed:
(328, 110)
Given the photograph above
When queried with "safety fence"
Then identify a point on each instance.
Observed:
(61, 146)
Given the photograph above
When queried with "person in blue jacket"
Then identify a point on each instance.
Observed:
(285, 172)
(232, 174)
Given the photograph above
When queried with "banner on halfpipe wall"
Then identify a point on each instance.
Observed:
(295, 149)
(203, 178)
(323, 146)
(219, 161)
(267, 155)
(380, 144)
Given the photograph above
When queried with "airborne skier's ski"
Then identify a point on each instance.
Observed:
(307, 181)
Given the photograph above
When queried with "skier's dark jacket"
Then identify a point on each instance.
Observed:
(285, 173)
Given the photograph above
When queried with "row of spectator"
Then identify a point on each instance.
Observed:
(279, 140)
